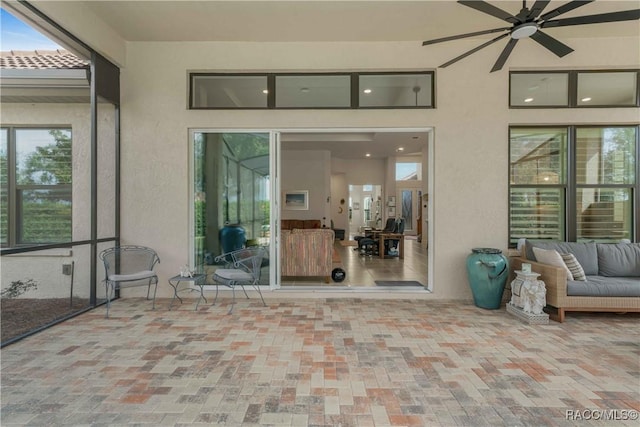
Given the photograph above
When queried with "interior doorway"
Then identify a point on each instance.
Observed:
(365, 208)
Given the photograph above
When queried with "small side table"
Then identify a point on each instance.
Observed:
(197, 279)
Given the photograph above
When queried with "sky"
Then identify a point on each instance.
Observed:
(16, 35)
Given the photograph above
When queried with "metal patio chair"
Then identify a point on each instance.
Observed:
(243, 269)
(128, 266)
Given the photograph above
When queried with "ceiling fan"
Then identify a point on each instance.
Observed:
(529, 23)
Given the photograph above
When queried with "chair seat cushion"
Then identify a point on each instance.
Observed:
(146, 274)
(231, 274)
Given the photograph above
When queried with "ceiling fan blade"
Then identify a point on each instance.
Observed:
(625, 15)
(555, 46)
(504, 55)
(564, 9)
(474, 50)
(462, 36)
(537, 8)
(489, 9)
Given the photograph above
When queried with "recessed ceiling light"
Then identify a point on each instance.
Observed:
(304, 89)
(265, 91)
(528, 99)
(587, 99)
(367, 91)
(400, 149)
(368, 155)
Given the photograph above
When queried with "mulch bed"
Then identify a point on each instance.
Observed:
(21, 315)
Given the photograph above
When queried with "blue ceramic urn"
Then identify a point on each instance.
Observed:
(487, 270)
(232, 237)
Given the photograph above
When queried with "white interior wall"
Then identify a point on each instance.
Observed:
(307, 171)
(470, 129)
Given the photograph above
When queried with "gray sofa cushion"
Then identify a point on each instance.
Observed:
(585, 253)
(600, 286)
(619, 259)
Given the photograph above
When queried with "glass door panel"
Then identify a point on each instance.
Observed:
(409, 209)
(231, 197)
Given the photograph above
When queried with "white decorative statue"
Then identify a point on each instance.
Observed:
(533, 296)
(528, 293)
(185, 271)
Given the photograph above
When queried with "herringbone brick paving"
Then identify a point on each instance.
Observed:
(324, 362)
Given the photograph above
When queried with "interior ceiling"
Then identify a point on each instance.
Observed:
(355, 145)
(327, 20)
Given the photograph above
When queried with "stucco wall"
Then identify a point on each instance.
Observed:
(470, 179)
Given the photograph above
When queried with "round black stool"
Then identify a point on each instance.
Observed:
(338, 274)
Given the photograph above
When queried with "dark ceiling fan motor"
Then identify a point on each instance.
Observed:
(528, 23)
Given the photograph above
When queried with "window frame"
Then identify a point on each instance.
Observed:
(272, 89)
(571, 186)
(573, 88)
(15, 222)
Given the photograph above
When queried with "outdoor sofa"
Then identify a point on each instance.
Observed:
(611, 270)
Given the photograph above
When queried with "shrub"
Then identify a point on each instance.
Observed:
(18, 287)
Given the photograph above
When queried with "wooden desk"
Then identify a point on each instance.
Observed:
(391, 236)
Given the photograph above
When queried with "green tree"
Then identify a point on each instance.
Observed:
(49, 164)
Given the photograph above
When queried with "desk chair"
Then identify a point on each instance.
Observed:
(398, 228)
(368, 244)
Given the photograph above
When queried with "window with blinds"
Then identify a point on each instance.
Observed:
(36, 186)
(605, 176)
(4, 189)
(538, 159)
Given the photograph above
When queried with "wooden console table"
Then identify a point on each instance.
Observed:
(391, 236)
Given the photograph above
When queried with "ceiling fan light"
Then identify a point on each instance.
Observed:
(525, 30)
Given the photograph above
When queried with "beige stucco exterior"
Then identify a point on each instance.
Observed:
(470, 128)
(470, 124)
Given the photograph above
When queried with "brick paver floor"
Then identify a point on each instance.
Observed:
(324, 362)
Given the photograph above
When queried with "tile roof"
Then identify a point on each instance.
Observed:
(41, 59)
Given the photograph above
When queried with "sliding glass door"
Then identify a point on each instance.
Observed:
(231, 186)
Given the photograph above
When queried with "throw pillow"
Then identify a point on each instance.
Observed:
(551, 257)
(574, 267)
